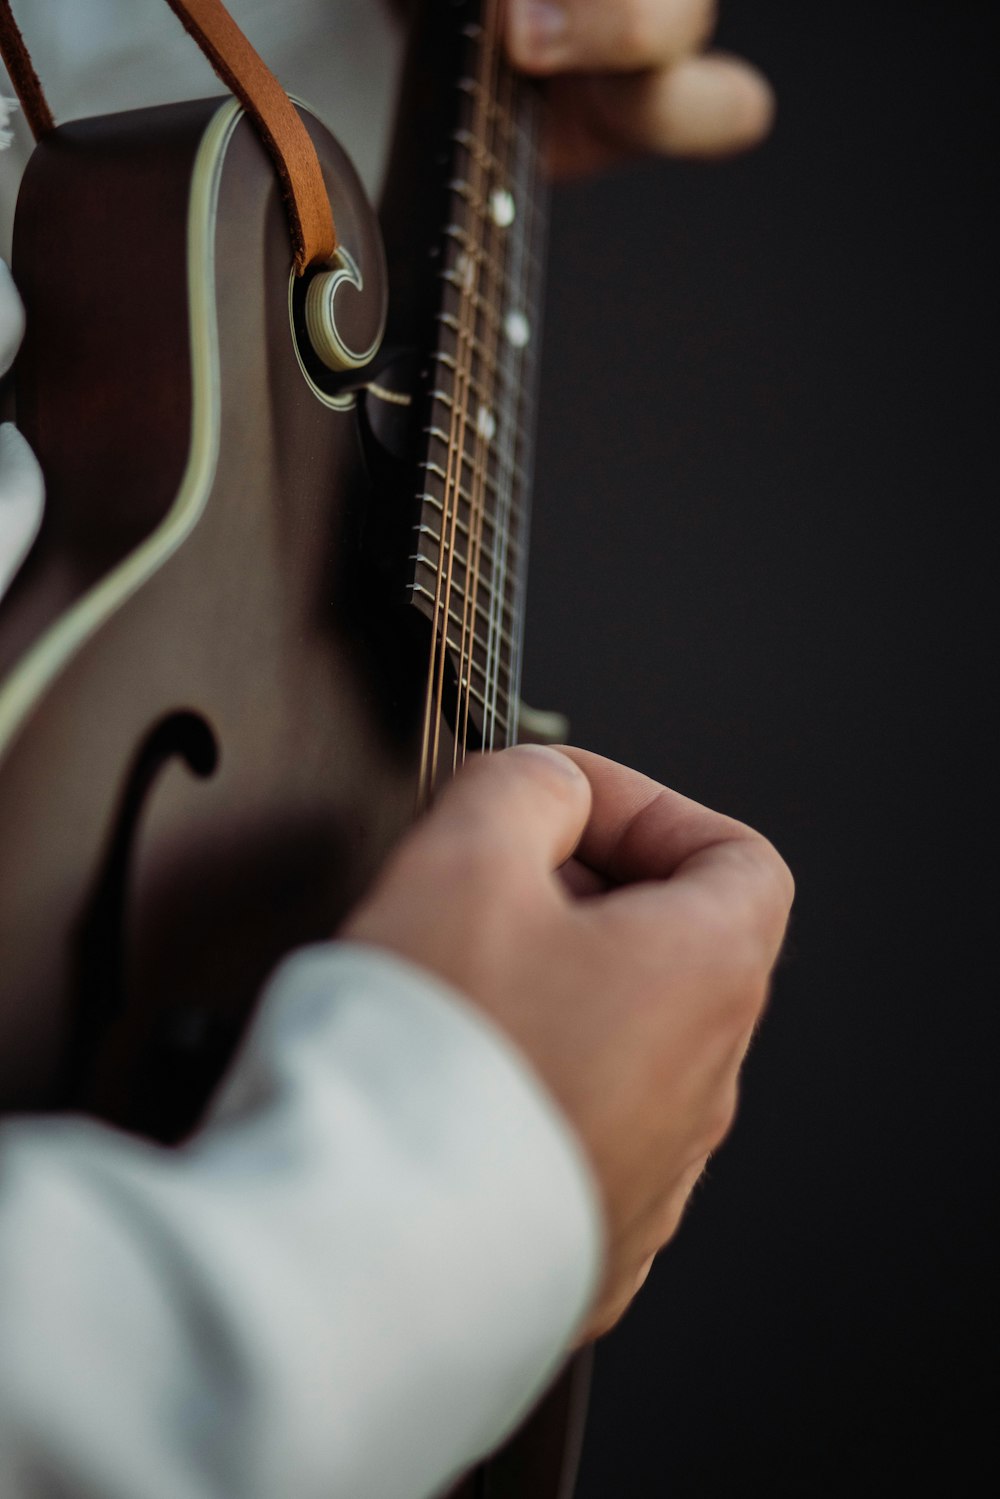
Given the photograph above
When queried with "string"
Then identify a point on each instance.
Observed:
(486, 424)
(507, 462)
(492, 285)
(527, 279)
(455, 450)
(467, 314)
(519, 174)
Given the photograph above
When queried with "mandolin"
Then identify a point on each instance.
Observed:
(278, 593)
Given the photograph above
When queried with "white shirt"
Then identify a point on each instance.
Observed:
(352, 1284)
(363, 1271)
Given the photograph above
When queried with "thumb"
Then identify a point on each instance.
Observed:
(529, 802)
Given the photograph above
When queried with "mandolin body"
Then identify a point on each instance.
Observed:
(204, 754)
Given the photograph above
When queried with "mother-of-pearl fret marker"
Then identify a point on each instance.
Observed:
(517, 329)
(502, 207)
(486, 424)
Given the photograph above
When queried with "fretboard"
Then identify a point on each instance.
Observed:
(470, 551)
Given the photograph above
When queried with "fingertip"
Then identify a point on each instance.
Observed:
(715, 105)
(553, 756)
(537, 34)
(754, 105)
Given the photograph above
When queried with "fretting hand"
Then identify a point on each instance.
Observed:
(635, 1004)
(630, 76)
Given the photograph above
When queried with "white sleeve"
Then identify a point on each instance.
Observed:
(351, 1284)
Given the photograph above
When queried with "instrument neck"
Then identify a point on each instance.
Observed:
(481, 325)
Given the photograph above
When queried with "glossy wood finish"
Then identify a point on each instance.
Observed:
(249, 629)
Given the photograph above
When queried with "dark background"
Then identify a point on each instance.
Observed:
(765, 485)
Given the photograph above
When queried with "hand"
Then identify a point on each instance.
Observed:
(627, 76)
(21, 488)
(635, 1004)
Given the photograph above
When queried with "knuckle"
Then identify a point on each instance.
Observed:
(758, 909)
(775, 873)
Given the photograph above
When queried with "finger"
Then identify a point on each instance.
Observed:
(640, 831)
(530, 803)
(580, 880)
(559, 36)
(702, 107)
(11, 319)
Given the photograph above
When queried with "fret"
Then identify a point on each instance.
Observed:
(482, 207)
(495, 687)
(461, 236)
(493, 304)
(458, 584)
(497, 629)
(491, 484)
(470, 142)
(484, 308)
(485, 670)
(469, 537)
(442, 357)
(494, 366)
(510, 542)
(437, 503)
(495, 112)
(500, 319)
(475, 460)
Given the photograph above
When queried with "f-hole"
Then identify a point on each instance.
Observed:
(100, 946)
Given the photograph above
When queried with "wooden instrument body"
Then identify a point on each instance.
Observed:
(198, 593)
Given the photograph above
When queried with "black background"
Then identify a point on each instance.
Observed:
(765, 489)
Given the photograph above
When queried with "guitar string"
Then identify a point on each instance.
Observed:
(440, 615)
(487, 38)
(523, 366)
(511, 411)
(523, 177)
(507, 456)
(480, 462)
(520, 175)
(487, 428)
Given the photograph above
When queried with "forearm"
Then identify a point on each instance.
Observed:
(354, 1281)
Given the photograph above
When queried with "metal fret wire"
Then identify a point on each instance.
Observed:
(532, 240)
(519, 173)
(470, 596)
(492, 255)
(434, 708)
(524, 176)
(507, 583)
(521, 179)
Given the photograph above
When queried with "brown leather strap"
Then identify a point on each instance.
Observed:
(283, 133)
(23, 75)
(245, 73)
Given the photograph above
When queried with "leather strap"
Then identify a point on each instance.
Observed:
(243, 71)
(23, 75)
